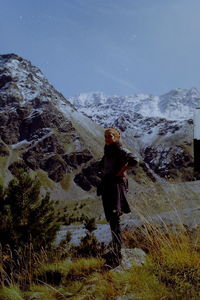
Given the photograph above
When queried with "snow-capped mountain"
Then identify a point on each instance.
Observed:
(148, 117)
(155, 126)
(178, 104)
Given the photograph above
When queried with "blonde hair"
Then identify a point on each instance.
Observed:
(115, 131)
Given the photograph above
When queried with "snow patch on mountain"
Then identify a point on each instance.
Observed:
(158, 128)
(178, 104)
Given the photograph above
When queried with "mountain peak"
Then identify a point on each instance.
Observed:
(193, 92)
(39, 129)
(11, 56)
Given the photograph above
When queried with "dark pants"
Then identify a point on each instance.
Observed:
(116, 235)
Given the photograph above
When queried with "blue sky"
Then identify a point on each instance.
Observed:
(115, 46)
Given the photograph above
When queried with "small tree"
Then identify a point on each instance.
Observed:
(89, 245)
(90, 224)
(25, 216)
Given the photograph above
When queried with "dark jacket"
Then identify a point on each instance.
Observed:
(114, 188)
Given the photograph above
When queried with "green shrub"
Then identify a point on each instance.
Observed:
(25, 217)
(89, 246)
(28, 227)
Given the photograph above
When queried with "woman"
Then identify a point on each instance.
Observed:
(114, 187)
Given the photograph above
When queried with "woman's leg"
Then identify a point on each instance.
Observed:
(116, 235)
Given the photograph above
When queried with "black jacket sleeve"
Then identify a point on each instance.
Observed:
(101, 164)
(129, 158)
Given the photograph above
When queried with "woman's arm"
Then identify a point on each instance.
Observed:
(122, 171)
(131, 162)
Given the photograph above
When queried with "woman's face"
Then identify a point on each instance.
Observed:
(110, 137)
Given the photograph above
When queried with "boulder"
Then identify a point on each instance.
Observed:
(131, 257)
(89, 177)
(78, 158)
(55, 166)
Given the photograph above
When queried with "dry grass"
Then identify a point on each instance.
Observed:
(171, 271)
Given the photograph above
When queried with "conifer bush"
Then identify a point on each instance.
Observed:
(89, 245)
(26, 217)
(28, 226)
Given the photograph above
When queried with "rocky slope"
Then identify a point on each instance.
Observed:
(160, 128)
(42, 132)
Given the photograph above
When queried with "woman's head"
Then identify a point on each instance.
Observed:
(112, 135)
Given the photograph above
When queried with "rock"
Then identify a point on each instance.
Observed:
(92, 173)
(55, 166)
(45, 151)
(165, 161)
(131, 257)
(32, 159)
(52, 163)
(4, 79)
(49, 117)
(48, 154)
(75, 159)
(123, 122)
(89, 177)
(9, 126)
(82, 181)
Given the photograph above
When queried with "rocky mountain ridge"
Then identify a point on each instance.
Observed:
(159, 128)
(41, 131)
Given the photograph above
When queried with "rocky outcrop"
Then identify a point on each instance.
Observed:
(89, 177)
(76, 159)
(49, 155)
(9, 126)
(165, 161)
(131, 257)
(31, 127)
(4, 79)
(55, 166)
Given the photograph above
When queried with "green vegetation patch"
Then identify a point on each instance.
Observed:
(10, 293)
(44, 179)
(76, 211)
(68, 269)
(65, 182)
(3, 163)
(66, 140)
(42, 292)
